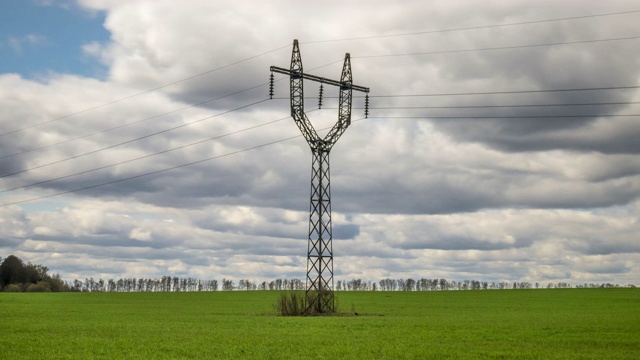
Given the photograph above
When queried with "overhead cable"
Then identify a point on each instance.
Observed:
(143, 92)
(127, 124)
(498, 48)
(163, 170)
(511, 92)
(131, 140)
(474, 27)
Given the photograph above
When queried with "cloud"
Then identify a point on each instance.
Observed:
(171, 181)
(19, 43)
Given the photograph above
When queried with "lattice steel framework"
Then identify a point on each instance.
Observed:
(319, 279)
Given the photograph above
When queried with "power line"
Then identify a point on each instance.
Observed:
(522, 91)
(138, 158)
(141, 157)
(311, 42)
(150, 173)
(129, 124)
(498, 48)
(379, 108)
(508, 92)
(147, 174)
(141, 120)
(143, 92)
(167, 169)
(366, 56)
(498, 106)
(505, 117)
(129, 141)
(474, 27)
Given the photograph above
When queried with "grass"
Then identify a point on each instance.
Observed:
(513, 324)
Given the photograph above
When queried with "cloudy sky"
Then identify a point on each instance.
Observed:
(137, 138)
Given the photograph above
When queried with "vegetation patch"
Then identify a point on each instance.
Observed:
(291, 303)
(297, 303)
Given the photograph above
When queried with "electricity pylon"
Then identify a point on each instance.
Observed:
(319, 294)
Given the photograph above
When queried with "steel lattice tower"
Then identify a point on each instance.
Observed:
(319, 279)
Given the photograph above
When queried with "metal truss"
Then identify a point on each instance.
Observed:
(320, 298)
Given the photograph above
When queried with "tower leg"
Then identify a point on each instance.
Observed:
(320, 298)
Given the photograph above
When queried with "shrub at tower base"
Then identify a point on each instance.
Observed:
(296, 303)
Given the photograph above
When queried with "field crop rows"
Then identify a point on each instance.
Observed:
(515, 324)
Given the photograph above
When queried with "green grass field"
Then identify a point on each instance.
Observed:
(507, 324)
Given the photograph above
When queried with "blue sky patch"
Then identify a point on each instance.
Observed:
(37, 39)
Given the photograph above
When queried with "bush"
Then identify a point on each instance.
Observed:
(55, 283)
(41, 286)
(297, 303)
(12, 288)
(291, 303)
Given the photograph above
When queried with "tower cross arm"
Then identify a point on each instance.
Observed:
(319, 79)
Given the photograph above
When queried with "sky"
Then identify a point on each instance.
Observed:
(137, 139)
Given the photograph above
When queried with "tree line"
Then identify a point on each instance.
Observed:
(176, 284)
(16, 275)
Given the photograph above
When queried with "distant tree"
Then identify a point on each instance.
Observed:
(77, 285)
(12, 271)
(297, 284)
(56, 284)
(227, 285)
(246, 284)
(409, 285)
(424, 284)
(524, 285)
(444, 284)
(433, 286)
(387, 284)
(355, 284)
(35, 273)
(89, 284)
(401, 285)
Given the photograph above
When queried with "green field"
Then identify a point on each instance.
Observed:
(507, 324)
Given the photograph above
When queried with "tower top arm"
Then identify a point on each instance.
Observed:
(296, 89)
(319, 79)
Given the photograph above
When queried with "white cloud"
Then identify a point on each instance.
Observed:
(19, 43)
(533, 199)
(140, 234)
